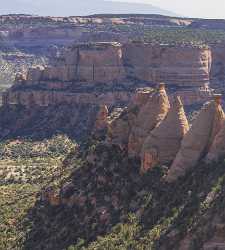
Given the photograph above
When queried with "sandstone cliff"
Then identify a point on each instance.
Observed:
(107, 62)
(217, 149)
(183, 66)
(163, 142)
(81, 69)
(150, 115)
(101, 122)
(120, 127)
(198, 140)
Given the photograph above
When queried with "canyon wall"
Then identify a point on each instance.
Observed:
(217, 73)
(103, 73)
(178, 65)
(105, 62)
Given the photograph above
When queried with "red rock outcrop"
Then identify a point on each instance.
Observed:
(115, 65)
(97, 62)
(150, 115)
(120, 127)
(198, 140)
(102, 119)
(163, 142)
(217, 73)
(108, 62)
(183, 66)
(217, 149)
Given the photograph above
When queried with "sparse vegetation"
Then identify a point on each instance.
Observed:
(25, 168)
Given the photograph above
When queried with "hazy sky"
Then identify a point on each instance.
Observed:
(189, 8)
(193, 8)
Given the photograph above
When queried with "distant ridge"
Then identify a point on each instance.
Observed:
(78, 8)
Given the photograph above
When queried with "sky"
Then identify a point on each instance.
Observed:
(187, 8)
(192, 8)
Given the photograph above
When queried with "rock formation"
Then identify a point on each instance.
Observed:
(174, 65)
(217, 148)
(198, 140)
(101, 123)
(107, 62)
(217, 73)
(94, 62)
(120, 126)
(82, 69)
(150, 115)
(163, 143)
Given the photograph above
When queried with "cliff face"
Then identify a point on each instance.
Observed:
(183, 66)
(81, 69)
(217, 73)
(105, 62)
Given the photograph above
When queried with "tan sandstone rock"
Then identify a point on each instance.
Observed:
(150, 115)
(35, 74)
(198, 140)
(217, 149)
(120, 127)
(163, 143)
(102, 118)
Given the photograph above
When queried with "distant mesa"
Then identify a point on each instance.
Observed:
(79, 8)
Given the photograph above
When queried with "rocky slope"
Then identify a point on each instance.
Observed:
(108, 197)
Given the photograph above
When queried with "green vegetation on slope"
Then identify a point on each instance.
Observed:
(171, 35)
(25, 168)
(122, 210)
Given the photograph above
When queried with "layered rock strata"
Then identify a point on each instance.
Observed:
(217, 73)
(176, 65)
(83, 68)
(198, 140)
(163, 142)
(106, 62)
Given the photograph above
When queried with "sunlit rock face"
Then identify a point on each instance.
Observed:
(198, 140)
(163, 142)
(77, 74)
(120, 126)
(183, 66)
(150, 115)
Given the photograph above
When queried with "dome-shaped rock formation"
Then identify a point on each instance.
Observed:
(217, 148)
(102, 119)
(198, 140)
(120, 127)
(163, 143)
(150, 115)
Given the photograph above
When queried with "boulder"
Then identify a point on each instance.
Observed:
(150, 115)
(163, 143)
(198, 140)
